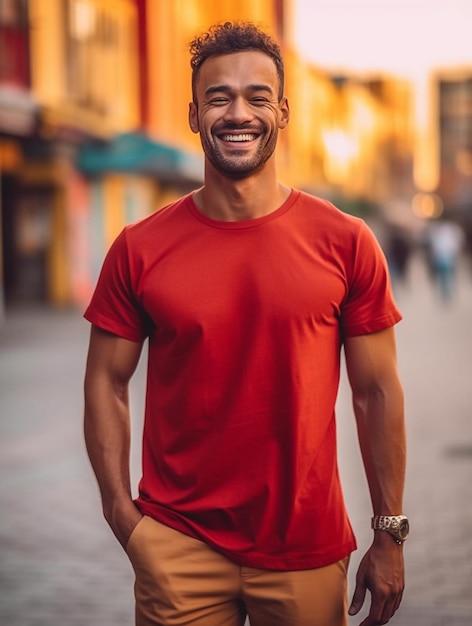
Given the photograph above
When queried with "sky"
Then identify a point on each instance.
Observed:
(401, 37)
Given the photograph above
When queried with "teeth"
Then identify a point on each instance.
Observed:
(246, 137)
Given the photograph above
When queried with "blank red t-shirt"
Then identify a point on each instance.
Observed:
(245, 322)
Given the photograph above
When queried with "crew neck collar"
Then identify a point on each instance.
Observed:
(241, 224)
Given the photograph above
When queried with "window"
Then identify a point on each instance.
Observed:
(97, 41)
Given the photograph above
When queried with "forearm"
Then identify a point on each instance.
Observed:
(378, 406)
(380, 422)
(111, 363)
(107, 438)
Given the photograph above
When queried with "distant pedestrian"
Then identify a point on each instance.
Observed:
(398, 249)
(247, 291)
(445, 240)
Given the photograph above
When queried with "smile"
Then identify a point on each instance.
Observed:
(239, 138)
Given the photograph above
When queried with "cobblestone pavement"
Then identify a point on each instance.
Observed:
(59, 564)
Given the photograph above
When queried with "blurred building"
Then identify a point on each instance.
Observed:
(18, 120)
(93, 129)
(364, 139)
(443, 155)
(74, 60)
(454, 92)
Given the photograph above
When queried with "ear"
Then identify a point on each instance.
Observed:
(193, 117)
(284, 113)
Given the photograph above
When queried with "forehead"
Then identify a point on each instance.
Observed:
(237, 70)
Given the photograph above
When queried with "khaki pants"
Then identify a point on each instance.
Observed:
(180, 580)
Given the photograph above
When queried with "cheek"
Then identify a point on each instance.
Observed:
(205, 123)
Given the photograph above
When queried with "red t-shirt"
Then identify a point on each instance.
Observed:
(245, 322)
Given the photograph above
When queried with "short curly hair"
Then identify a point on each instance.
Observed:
(229, 37)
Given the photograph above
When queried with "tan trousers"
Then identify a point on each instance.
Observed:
(180, 580)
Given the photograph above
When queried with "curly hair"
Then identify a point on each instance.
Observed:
(229, 37)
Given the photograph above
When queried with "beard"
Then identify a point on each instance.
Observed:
(236, 163)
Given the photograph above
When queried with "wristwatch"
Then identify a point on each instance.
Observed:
(397, 525)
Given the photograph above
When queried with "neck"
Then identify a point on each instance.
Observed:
(227, 199)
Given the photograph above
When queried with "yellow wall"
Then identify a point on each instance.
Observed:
(47, 50)
(312, 101)
(111, 72)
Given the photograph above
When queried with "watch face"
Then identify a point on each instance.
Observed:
(403, 529)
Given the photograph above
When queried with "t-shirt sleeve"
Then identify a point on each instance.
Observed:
(114, 306)
(369, 305)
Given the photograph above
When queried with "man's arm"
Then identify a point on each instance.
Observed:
(111, 362)
(378, 405)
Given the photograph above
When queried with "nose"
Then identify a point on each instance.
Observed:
(238, 111)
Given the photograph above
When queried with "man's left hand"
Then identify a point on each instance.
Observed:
(381, 571)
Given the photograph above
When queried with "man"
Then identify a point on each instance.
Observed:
(246, 290)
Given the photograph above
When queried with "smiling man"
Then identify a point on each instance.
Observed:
(238, 121)
(246, 291)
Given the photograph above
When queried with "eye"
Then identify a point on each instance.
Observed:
(218, 101)
(259, 100)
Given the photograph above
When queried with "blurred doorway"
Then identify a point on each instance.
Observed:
(26, 241)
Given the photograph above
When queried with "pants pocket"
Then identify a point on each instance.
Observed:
(134, 537)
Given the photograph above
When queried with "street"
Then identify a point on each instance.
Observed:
(60, 564)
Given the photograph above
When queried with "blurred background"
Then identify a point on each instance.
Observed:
(93, 134)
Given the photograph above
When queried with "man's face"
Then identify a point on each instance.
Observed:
(237, 111)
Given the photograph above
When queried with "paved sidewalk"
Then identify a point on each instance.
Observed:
(59, 564)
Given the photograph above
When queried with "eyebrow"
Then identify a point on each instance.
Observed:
(228, 89)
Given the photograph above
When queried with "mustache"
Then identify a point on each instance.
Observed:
(231, 126)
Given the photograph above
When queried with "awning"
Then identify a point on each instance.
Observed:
(136, 153)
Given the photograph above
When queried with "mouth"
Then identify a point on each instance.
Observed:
(238, 138)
